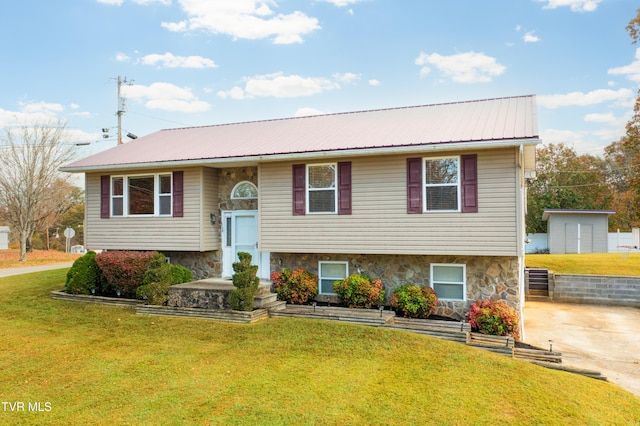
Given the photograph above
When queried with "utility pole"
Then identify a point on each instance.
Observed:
(121, 106)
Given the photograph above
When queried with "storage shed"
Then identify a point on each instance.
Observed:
(4, 237)
(577, 231)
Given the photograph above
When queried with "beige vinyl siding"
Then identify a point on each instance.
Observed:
(209, 204)
(147, 233)
(379, 222)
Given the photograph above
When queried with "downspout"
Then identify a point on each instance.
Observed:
(521, 234)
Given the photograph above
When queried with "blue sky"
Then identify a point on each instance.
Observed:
(201, 62)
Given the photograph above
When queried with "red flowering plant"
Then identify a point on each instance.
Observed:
(496, 318)
(297, 286)
(360, 291)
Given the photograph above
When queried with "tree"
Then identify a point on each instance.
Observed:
(29, 176)
(565, 180)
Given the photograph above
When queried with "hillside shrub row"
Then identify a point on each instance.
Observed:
(143, 275)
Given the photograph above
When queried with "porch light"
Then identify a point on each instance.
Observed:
(381, 307)
(550, 345)
(213, 218)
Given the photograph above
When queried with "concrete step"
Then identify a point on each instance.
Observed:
(260, 300)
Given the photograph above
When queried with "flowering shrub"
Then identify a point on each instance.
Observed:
(297, 286)
(360, 291)
(496, 318)
(124, 271)
(414, 301)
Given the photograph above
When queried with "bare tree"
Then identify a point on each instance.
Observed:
(30, 157)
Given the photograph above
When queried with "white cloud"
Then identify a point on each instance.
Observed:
(530, 38)
(600, 118)
(111, 2)
(631, 71)
(168, 60)
(374, 82)
(41, 107)
(166, 96)
(236, 93)
(122, 57)
(244, 19)
(279, 86)
(347, 77)
(584, 99)
(575, 5)
(469, 67)
(306, 111)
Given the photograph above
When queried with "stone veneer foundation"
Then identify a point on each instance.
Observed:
(206, 264)
(494, 278)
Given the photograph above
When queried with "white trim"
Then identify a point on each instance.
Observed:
(334, 188)
(463, 283)
(125, 194)
(458, 184)
(320, 277)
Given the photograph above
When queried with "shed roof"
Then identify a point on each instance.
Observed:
(485, 123)
(549, 212)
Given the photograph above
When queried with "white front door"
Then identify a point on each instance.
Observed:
(240, 233)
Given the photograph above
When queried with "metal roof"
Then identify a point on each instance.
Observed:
(549, 212)
(481, 123)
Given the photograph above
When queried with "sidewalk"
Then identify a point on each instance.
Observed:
(19, 271)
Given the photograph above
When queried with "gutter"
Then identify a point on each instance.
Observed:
(354, 152)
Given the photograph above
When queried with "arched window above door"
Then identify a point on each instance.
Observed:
(244, 190)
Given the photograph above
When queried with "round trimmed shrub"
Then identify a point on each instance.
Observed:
(297, 286)
(360, 291)
(414, 301)
(494, 317)
(83, 276)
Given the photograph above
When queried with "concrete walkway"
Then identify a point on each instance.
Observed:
(19, 271)
(593, 337)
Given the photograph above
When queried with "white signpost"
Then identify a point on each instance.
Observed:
(69, 233)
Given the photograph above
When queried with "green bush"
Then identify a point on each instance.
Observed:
(124, 271)
(84, 275)
(496, 318)
(414, 301)
(297, 286)
(360, 291)
(158, 279)
(246, 282)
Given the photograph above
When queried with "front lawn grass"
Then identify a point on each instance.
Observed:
(104, 365)
(620, 264)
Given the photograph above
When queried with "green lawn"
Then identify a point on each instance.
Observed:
(625, 264)
(102, 365)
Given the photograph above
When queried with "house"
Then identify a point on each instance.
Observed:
(432, 195)
(577, 231)
(4, 237)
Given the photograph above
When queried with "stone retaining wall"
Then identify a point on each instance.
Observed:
(494, 278)
(609, 290)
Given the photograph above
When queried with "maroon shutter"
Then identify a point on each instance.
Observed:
(299, 189)
(105, 196)
(178, 194)
(414, 185)
(344, 188)
(469, 183)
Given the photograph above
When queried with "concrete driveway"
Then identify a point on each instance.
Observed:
(19, 271)
(593, 337)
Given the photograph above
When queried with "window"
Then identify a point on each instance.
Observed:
(321, 188)
(149, 195)
(442, 189)
(449, 281)
(330, 272)
(244, 191)
(117, 196)
(442, 184)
